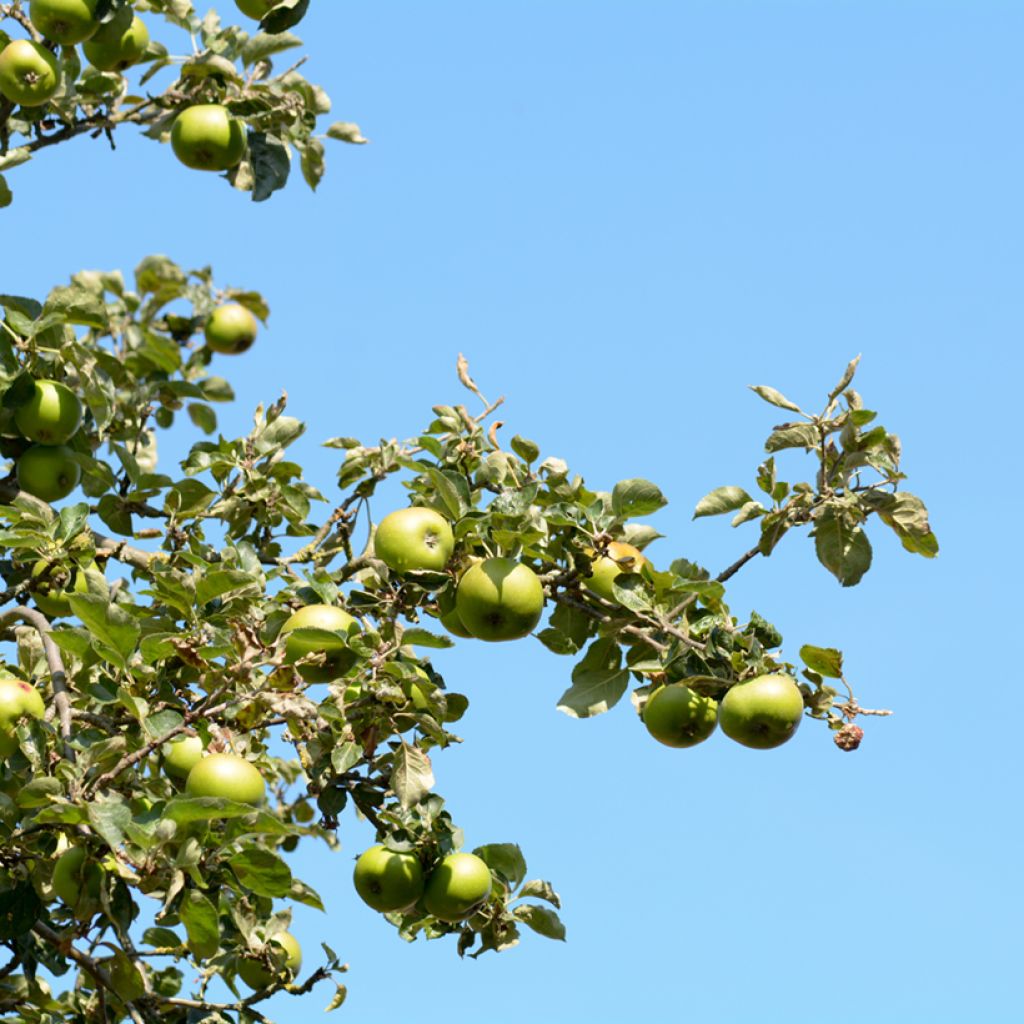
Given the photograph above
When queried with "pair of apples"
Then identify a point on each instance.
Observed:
(387, 880)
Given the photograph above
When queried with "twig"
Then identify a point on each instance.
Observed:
(727, 574)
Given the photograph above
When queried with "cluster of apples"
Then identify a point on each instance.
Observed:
(454, 889)
(204, 136)
(29, 72)
(49, 418)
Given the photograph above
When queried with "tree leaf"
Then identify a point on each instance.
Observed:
(543, 920)
(826, 661)
(720, 500)
(114, 631)
(110, 817)
(796, 435)
(636, 497)
(412, 777)
(505, 858)
(842, 546)
(262, 872)
(598, 681)
(775, 397)
(540, 890)
(201, 922)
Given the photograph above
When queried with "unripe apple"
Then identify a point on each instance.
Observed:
(339, 659)
(231, 329)
(17, 699)
(206, 137)
(50, 473)
(679, 717)
(762, 713)
(29, 73)
(257, 9)
(416, 538)
(227, 776)
(256, 976)
(386, 880)
(499, 599)
(457, 886)
(182, 755)
(51, 415)
(77, 881)
(620, 558)
(65, 21)
(116, 48)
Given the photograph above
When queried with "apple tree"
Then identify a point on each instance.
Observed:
(206, 664)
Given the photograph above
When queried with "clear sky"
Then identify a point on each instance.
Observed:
(623, 213)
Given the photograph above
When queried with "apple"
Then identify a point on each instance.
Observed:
(620, 558)
(115, 48)
(414, 538)
(51, 599)
(227, 776)
(679, 717)
(762, 713)
(256, 8)
(49, 472)
(65, 21)
(459, 883)
(182, 755)
(29, 74)
(499, 599)
(51, 415)
(256, 976)
(338, 658)
(231, 329)
(207, 138)
(450, 617)
(77, 881)
(386, 880)
(17, 699)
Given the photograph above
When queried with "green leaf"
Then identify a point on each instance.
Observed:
(184, 809)
(528, 451)
(598, 681)
(506, 859)
(262, 872)
(543, 920)
(20, 908)
(223, 582)
(6, 195)
(346, 131)
(286, 14)
(268, 156)
(201, 922)
(39, 792)
(540, 890)
(720, 500)
(842, 546)
(418, 637)
(110, 817)
(826, 661)
(636, 497)
(449, 491)
(796, 435)
(907, 516)
(78, 305)
(845, 380)
(203, 417)
(115, 633)
(412, 777)
(264, 44)
(775, 397)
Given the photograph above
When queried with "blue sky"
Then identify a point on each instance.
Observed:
(623, 214)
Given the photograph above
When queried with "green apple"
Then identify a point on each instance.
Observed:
(386, 880)
(49, 472)
(338, 658)
(620, 558)
(679, 717)
(17, 699)
(116, 48)
(77, 881)
(182, 755)
(65, 21)
(207, 138)
(449, 616)
(762, 713)
(29, 73)
(499, 599)
(51, 415)
(457, 886)
(416, 538)
(52, 600)
(231, 329)
(256, 976)
(256, 8)
(227, 776)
